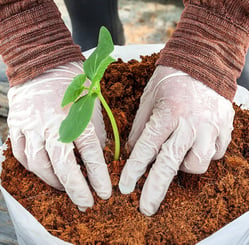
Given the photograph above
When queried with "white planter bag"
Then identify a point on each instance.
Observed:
(30, 232)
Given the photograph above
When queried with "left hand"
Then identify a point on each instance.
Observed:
(181, 124)
(34, 119)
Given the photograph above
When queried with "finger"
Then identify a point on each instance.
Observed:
(38, 161)
(68, 171)
(226, 115)
(222, 142)
(142, 117)
(221, 145)
(92, 155)
(18, 145)
(156, 131)
(166, 167)
(198, 158)
(98, 122)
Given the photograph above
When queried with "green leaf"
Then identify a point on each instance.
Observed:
(103, 50)
(78, 118)
(74, 90)
(101, 68)
(100, 72)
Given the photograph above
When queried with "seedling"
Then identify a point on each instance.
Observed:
(82, 106)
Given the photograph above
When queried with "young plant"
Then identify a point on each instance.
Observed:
(82, 108)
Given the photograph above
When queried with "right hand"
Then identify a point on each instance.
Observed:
(35, 115)
(180, 124)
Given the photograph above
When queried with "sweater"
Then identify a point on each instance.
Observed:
(209, 43)
(33, 39)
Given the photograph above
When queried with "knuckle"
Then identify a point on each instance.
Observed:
(196, 167)
(202, 168)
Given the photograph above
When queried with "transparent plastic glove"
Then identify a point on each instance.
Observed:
(34, 119)
(181, 124)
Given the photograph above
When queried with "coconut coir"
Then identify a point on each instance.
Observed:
(195, 205)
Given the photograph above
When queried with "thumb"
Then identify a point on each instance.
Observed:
(142, 117)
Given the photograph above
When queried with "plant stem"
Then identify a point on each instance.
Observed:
(114, 125)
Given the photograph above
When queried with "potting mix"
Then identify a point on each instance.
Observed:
(195, 205)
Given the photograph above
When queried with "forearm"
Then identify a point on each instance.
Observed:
(210, 43)
(33, 39)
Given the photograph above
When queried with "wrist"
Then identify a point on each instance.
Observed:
(209, 47)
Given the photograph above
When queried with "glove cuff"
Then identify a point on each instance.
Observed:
(33, 39)
(210, 46)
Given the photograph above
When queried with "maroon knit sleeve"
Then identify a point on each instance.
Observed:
(33, 39)
(210, 43)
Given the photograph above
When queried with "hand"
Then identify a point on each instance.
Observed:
(34, 119)
(181, 124)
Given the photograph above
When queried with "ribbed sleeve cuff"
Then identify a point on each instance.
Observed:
(35, 40)
(209, 47)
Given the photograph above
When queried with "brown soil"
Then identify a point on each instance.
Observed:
(195, 205)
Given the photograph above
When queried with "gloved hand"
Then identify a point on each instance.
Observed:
(34, 119)
(181, 124)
